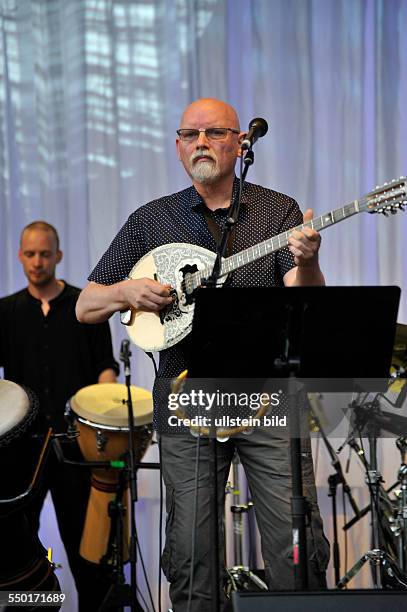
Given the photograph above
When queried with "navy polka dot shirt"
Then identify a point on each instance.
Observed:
(179, 218)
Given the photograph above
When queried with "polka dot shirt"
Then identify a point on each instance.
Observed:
(179, 218)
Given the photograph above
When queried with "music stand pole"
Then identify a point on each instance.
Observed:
(298, 501)
(290, 364)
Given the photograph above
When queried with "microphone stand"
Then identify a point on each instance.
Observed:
(125, 355)
(121, 594)
(212, 442)
(248, 160)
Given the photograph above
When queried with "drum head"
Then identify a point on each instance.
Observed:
(16, 411)
(105, 404)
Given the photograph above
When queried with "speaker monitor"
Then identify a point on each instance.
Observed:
(353, 600)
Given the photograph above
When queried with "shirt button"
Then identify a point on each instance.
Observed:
(45, 347)
(46, 390)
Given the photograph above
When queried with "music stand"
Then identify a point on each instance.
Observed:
(315, 334)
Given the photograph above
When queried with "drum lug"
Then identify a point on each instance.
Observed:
(101, 441)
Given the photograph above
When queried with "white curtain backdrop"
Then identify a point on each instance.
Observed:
(91, 92)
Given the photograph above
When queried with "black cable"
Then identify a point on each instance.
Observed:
(142, 598)
(145, 576)
(154, 363)
(193, 531)
(160, 537)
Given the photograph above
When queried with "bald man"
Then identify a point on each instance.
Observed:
(208, 145)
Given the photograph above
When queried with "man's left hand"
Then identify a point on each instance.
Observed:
(304, 245)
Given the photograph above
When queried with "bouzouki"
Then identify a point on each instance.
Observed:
(186, 266)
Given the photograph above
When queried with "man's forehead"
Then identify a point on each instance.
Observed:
(39, 238)
(209, 113)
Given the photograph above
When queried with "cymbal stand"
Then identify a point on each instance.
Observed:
(333, 481)
(402, 503)
(240, 577)
(385, 572)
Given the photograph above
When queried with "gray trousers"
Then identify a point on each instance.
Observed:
(266, 461)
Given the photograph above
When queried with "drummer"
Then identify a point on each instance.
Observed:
(43, 347)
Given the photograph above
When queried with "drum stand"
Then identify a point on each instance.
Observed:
(240, 578)
(401, 519)
(385, 571)
(113, 559)
(121, 594)
(333, 481)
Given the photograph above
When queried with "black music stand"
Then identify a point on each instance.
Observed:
(329, 338)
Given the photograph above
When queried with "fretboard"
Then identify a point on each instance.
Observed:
(234, 262)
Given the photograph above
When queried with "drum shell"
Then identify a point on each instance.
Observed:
(99, 415)
(19, 454)
(23, 563)
(99, 444)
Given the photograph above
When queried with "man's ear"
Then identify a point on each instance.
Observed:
(59, 256)
(177, 146)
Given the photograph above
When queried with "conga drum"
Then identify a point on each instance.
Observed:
(101, 417)
(18, 410)
(23, 562)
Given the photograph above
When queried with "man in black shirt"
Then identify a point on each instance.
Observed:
(45, 348)
(208, 145)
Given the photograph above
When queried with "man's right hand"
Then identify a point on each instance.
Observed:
(146, 294)
(97, 302)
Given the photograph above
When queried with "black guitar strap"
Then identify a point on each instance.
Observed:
(216, 231)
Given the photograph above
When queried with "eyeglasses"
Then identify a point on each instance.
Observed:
(215, 133)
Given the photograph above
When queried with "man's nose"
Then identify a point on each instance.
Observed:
(202, 141)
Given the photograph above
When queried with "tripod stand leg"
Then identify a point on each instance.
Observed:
(352, 572)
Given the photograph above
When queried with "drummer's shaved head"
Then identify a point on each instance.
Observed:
(43, 226)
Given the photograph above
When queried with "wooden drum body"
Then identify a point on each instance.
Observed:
(101, 417)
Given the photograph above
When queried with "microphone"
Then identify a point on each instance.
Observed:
(125, 354)
(257, 128)
(124, 350)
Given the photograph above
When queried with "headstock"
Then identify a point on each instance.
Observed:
(387, 198)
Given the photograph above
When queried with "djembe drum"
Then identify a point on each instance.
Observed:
(99, 412)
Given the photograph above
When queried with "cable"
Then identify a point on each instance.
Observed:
(193, 531)
(145, 576)
(154, 363)
(160, 537)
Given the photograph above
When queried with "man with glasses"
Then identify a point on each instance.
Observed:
(208, 145)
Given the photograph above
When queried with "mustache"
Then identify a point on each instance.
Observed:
(202, 153)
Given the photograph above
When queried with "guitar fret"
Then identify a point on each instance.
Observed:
(281, 240)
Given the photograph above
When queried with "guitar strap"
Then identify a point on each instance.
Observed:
(216, 231)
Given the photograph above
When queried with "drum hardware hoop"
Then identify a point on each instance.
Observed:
(121, 428)
(101, 440)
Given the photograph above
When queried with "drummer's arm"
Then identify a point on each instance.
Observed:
(107, 376)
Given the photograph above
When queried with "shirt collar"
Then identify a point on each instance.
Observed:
(196, 201)
(54, 300)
